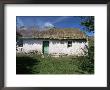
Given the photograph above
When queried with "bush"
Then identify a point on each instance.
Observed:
(88, 62)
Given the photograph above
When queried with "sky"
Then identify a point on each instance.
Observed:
(50, 21)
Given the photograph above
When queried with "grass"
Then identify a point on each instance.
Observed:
(36, 64)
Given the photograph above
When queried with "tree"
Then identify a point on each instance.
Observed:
(88, 23)
(88, 63)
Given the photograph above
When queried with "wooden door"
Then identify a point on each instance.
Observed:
(45, 47)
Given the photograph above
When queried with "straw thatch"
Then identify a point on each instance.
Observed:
(67, 33)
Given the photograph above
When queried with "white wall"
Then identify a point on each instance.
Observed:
(55, 47)
(29, 45)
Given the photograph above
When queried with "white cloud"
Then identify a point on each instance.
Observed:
(44, 25)
(48, 24)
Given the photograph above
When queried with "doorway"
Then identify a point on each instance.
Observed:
(45, 47)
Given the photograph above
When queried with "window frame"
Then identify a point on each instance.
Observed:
(69, 44)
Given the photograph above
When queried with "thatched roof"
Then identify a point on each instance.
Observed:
(67, 33)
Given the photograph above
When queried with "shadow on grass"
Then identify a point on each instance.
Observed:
(24, 64)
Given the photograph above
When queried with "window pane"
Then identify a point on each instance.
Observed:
(69, 43)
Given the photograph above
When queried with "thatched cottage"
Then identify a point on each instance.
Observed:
(69, 41)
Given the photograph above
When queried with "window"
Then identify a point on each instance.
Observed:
(19, 43)
(69, 43)
(62, 42)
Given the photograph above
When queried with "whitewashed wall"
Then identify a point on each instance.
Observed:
(30, 45)
(55, 47)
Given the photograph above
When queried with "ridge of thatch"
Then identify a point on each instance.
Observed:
(66, 33)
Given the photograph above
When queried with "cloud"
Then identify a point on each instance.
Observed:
(42, 25)
(48, 24)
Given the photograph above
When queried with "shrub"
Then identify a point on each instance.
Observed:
(88, 62)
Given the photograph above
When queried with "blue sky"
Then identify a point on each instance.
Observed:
(50, 21)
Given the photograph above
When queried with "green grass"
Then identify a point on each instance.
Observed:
(35, 64)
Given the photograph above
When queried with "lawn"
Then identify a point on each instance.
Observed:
(36, 64)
